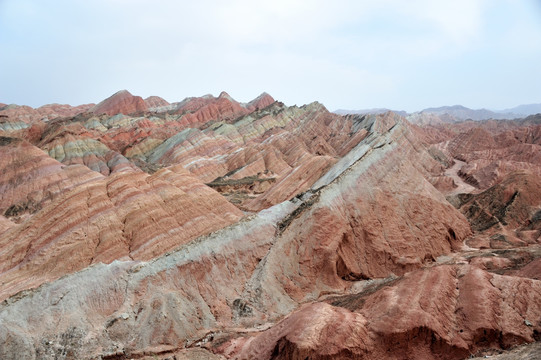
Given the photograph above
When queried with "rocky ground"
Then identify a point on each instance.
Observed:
(212, 229)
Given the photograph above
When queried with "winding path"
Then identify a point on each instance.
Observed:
(462, 186)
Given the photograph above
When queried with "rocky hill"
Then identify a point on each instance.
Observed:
(212, 229)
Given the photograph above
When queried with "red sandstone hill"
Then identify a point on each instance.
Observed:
(122, 102)
(78, 214)
(214, 229)
(155, 102)
(260, 102)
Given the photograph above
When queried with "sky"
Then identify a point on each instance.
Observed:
(346, 54)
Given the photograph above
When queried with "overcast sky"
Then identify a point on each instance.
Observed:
(404, 55)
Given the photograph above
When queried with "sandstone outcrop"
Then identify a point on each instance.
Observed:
(155, 102)
(273, 142)
(343, 237)
(31, 179)
(260, 102)
(16, 114)
(218, 230)
(490, 150)
(128, 215)
(198, 111)
(332, 240)
(5, 224)
(507, 215)
(446, 312)
(52, 111)
(121, 102)
(74, 144)
(521, 352)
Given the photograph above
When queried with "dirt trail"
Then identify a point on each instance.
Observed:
(452, 172)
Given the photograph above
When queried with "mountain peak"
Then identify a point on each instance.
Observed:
(120, 102)
(224, 95)
(122, 92)
(262, 101)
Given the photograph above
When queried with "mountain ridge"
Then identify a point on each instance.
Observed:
(214, 229)
(460, 112)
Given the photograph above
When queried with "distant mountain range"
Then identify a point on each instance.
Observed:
(460, 112)
(463, 113)
(369, 111)
(528, 109)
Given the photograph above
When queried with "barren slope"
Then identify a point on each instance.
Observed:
(350, 251)
(239, 276)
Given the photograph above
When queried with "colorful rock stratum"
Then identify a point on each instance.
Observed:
(212, 229)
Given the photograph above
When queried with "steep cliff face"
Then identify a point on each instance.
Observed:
(372, 215)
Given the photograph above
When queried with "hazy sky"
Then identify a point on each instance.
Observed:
(404, 55)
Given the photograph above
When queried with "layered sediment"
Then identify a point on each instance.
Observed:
(214, 229)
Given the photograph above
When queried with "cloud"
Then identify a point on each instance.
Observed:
(459, 21)
(340, 52)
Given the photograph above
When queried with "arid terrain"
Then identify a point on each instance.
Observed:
(212, 229)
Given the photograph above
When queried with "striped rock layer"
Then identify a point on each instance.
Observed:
(214, 229)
